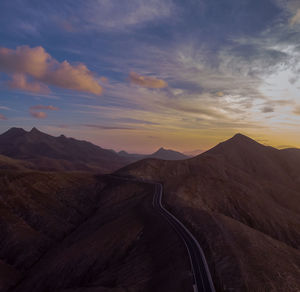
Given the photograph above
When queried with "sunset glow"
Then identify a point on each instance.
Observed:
(179, 74)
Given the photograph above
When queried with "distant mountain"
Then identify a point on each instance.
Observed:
(133, 157)
(167, 154)
(164, 154)
(241, 200)
(46, 152)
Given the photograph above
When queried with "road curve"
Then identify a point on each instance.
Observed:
(202, 277)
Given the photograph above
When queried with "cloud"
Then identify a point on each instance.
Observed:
(19, 81)
(296, 18)
(220, 94)
(44, 70)
(34, 110)
(118, 15)
(147, 81)
(39, 115)
(5, 108)
(44, 107)
(103, 79)
(267, 109)
(101, 127)
(2, 117)
(297, 110)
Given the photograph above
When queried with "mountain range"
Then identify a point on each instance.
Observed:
(81, 231)
(45, 152)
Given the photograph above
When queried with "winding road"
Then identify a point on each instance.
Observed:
(202, 277)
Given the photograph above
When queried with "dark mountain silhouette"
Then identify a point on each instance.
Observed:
(165, 154)
(46, 152)
(242, 201)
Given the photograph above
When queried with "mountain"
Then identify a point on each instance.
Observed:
(167, 154)
(241, 200)
(77, 231)
(46, 152)
(133, 157)
(81, 232)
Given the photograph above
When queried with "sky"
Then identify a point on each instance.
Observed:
(136, 75)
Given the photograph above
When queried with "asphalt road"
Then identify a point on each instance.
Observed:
(202, 277)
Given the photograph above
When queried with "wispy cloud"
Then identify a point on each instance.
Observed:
(147, 81)
(44, 107)
(44, 70)
(5, 108)
(119, 15)
(38, 115)
(102, 127)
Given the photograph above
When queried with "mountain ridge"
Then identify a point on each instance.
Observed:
(47, 152)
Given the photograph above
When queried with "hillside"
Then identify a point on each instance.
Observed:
(79, 232)
(242, 201)
(13, 164)
(45, 152)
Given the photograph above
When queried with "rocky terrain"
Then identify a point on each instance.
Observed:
(80, 232)
(242, 200)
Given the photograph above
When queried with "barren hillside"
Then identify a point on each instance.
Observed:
(242, 199)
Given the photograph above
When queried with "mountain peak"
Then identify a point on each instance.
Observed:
(34, 130)
(161, 149)
(167, 154)
(242, 138)
(14, 131)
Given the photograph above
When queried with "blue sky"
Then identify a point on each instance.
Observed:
(137, 74)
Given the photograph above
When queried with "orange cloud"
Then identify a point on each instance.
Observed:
(39, 115)
(2, 117)
(44, 107)
(146, 81)
(44, 70)
(103, 79)
(220, 93)
(19, 81)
